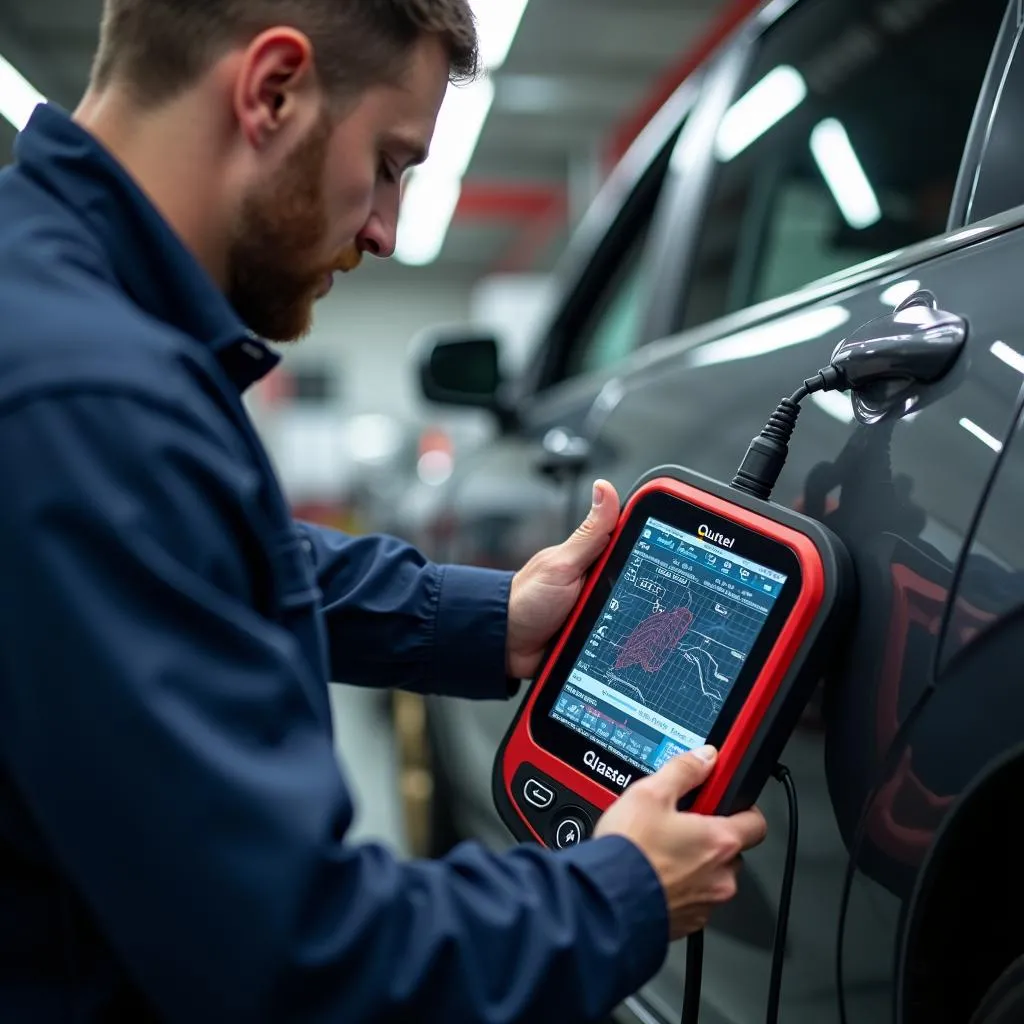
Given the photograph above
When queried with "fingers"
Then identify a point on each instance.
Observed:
(591, 538)
(677, 777)
(749, 827)
(687, 771)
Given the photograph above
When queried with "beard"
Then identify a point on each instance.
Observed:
(273, 281)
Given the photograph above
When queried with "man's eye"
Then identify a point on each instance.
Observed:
(387, 172)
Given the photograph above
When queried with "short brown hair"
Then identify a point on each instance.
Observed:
(160, 47)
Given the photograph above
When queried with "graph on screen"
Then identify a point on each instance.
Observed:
(671, 640)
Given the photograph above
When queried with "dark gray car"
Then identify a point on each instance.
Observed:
(835, 157)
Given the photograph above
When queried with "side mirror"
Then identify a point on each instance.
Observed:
(463, 367)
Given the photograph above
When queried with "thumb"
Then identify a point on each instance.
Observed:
(687, 771)
(590, 538)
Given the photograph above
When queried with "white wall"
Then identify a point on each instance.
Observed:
(364, 327)
(517, 306)
(363, 333)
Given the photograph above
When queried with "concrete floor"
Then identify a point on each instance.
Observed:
(367, 753)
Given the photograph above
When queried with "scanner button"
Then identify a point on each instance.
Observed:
(569, 833)
(538, 794)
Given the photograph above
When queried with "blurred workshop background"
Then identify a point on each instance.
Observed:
(517, 159)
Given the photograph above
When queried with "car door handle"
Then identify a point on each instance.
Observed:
(563, 453)
(889, 358)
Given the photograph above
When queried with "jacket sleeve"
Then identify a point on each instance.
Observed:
(396, 619)
(160, 732)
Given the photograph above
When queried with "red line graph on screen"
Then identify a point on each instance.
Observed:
(653, 640)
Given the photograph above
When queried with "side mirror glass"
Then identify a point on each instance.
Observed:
(462, 367)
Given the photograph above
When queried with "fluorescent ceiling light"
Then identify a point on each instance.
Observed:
(497, 23)
(844, 175)
(898, 293)
(773, 336)
(429, 200)
(18, 98)
(779, 93)
(982, 435)
(459, 123)
(1008, 355)
(432, 193)
(427, 209)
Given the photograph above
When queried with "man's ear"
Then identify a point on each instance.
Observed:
(276, 78)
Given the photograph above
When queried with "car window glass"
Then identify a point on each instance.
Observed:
(601, 323)
(999, 185)
(613, 328)
(844, 144)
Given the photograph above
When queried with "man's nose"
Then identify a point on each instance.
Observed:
(378, 239)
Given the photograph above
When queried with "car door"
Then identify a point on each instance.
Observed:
(505, 500)
(935, 824)
(823, 215)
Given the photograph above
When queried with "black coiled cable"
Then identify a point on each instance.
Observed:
(768, 452)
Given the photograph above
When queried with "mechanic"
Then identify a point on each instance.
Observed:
(172, 816)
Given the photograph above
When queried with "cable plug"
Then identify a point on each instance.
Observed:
(768, 452)
(761, 466)
(831, 378)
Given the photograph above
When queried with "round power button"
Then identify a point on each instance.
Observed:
(569, 832)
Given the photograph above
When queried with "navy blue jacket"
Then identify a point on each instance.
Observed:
(172, 817)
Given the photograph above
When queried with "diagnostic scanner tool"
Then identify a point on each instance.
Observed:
(707, 621)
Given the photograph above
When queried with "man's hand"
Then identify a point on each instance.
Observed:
(546, 588)
(696, 857)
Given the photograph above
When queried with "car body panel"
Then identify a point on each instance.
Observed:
(956, 772)
(700, 405)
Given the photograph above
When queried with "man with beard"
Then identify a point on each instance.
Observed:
(172, 818)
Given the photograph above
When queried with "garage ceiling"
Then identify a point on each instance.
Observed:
(576, 72)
